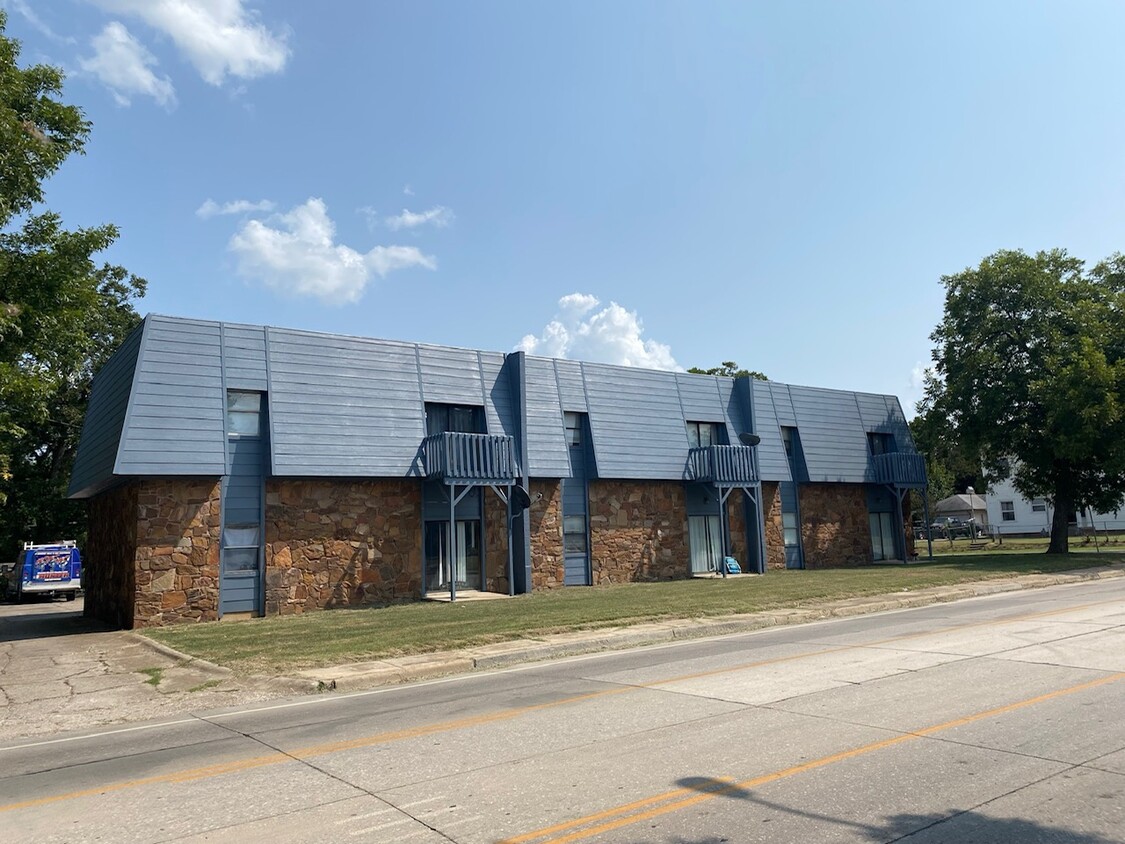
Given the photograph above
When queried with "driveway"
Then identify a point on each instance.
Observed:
(60, 671)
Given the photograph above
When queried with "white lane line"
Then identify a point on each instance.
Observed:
(386, 825)
(355, 818)
(420, 802)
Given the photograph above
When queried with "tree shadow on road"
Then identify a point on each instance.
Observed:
(964, 827)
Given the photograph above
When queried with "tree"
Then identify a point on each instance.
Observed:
(1030, 363)
(729, 369)
(61, 314)
(949, 467)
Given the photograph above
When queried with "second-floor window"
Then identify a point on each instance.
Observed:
(454, 418)
(703, 434)
(788, 437)
(244, 413)
(1008, 511)
(879, 443)
(573, 424)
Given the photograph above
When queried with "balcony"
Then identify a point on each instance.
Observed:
(722, 465)
(470, 458)
(900, 468)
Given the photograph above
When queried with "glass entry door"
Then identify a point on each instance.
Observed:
(882, 536)
(463, 566)
(705, 542)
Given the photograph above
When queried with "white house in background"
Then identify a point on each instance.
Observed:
(1010, 513)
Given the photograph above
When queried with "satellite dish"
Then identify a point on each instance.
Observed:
(520, 499)
(747, 438)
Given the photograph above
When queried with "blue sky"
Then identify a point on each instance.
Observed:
(659, 184)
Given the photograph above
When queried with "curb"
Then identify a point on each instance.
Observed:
(182, 658)
(519, 651)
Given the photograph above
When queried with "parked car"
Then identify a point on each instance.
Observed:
(951, 527)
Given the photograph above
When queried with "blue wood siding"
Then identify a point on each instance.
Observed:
(832, 435)
(700, 398)
(240, 559)
(177, 414)
(343, 406)
(637, 422)
(244, 357)
(572, 385)
(884, 414)
(772, 462)
(575, 498)
(546, 440)
(735, 401)
(782, 404)
(496, 386)
(105, 418)
(353, 407)
(450, 376)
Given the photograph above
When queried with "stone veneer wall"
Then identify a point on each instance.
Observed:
(775, 534)
(495, 542)
(638, 531)
(736, 524)
(177, 551)
(342, 543)
(109, 555)
(548, 568)
(835, 530)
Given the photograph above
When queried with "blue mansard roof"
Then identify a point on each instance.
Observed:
(342, 406)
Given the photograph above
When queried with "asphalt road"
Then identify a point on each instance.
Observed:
(990, 720)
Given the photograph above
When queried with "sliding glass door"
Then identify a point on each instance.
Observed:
(464, 567)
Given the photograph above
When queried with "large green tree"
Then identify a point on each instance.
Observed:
(1030, 364)
(61, 312)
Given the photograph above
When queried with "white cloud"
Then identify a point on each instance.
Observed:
(409, 191)
(609, 335)
(300, 256)
(125, 67)
(918, 375)
(210, 208)
(28, 14)
(439, 216)
(219, 37)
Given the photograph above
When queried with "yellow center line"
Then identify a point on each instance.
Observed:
(478, 720)
(630, 816)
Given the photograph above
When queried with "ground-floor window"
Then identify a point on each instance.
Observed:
(789, 529)
(706, 543)
(464, 567)
(882, 536)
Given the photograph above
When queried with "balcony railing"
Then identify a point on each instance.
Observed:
(900, 468)
(470, 458)
(722, 465)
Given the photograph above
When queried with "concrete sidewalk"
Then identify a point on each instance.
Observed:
(61, 672)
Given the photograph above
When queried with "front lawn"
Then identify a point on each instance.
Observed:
(282, 644)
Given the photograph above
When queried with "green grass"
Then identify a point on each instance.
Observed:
(210, 684)
(155, 675)
(280, 644)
